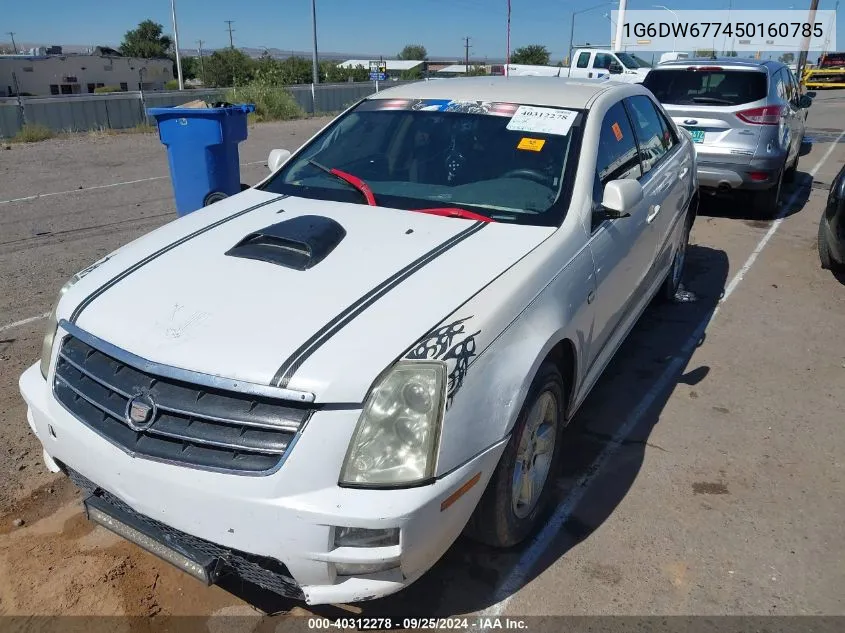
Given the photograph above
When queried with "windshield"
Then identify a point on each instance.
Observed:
(632, 61)
(508, 162)
(706, 87)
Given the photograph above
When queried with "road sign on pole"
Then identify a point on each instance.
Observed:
(378, 71)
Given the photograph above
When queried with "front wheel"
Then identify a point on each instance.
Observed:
(824, 248)
(521, 488)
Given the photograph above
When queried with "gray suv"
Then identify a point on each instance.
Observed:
(746, 118)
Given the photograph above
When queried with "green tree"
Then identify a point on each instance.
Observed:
(703, 52)
(228, 67)
(534, 54)
(787, 58)
(413, 51)
(330, 72)
(730, 53)
(478, 70)
(146, 41)
(190, 67)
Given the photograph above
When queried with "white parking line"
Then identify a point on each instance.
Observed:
(64, 193)
(9, 326)
(520, 573)
(114, 184)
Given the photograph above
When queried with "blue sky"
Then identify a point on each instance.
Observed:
(355, 26)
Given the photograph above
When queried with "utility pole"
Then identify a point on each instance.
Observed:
(805, 45)
(14, 46)
(315, 68)
(231, 41)
(620, 21)
(202, 67)
(176, 45)
(466, 53)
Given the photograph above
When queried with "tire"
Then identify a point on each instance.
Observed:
(505, 517)
(792, 170)
(765, 203)
(824, 248)
(214, 196)
(673, 279)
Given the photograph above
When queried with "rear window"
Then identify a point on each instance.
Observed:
(706, 87)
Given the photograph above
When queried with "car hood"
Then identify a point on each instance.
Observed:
(185, 296)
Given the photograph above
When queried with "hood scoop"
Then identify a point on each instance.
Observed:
(299, 243)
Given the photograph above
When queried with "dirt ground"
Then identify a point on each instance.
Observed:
(704, 474)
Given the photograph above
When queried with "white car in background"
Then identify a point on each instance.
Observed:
(319, 383)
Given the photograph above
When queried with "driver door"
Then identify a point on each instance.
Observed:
(620, 247)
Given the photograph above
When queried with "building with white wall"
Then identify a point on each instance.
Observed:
(80, 74)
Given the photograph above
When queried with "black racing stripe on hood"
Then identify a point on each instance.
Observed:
(140, 264)
(295, 361)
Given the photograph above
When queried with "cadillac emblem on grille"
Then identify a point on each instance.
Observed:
(140, 412)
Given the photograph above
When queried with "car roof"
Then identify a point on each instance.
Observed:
(549, 91)
(724, 62)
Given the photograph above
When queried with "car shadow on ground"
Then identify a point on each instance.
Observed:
(738, 206)
(471, 577)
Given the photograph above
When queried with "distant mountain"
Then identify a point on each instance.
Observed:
(276, 53)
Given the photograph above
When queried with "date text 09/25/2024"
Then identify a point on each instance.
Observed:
(381, 624)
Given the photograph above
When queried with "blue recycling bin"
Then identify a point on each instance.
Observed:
(202, 150)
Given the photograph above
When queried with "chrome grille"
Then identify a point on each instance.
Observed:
(191, 424)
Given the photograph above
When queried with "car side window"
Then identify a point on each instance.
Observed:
(616, 157)
(603, 60)
(669, 137)
(647, 127)
(795, 90)
(780, 86)
(583, 60)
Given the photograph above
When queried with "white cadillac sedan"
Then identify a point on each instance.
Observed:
(319, 383)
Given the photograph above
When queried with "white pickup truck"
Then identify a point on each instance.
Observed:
(591, 63)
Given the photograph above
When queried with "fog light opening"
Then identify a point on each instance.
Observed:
(363, 569)
(365, 537)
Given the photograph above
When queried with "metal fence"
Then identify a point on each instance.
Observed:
(80, 113)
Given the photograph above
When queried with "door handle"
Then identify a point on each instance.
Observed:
(683, 172)
(653, 210)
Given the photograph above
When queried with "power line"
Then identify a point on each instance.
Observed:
(14, 46)
(231, 42)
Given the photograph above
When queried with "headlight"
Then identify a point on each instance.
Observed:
(52, 326)
(395, 442)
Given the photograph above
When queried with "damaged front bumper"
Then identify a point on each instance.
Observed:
(277, 531)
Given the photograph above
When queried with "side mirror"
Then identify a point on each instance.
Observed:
(805, 101)
(615, 68)
(811, 94)
(620, 196)
(278, 157)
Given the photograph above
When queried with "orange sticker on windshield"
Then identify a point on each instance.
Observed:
(531, 144)
(617, 131)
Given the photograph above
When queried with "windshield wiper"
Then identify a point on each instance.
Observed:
(455, 212)
(711, 100)
(355, 182)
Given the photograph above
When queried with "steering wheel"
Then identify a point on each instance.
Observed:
(527, 174)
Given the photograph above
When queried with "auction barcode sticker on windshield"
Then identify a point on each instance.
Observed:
(542, 120)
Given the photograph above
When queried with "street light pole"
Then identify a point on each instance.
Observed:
(674, 36)
(176, 44)
(620, 21)
(572, 25)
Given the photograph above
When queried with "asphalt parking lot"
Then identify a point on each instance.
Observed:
(704, 475)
